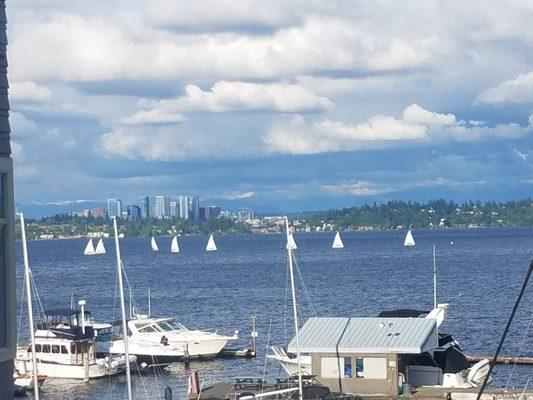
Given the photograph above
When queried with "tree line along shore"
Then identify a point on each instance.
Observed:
(383, 216)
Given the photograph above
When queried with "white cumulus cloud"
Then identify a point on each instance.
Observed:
(28, 91)
(230, 96)
(518, 91)
(417, 125)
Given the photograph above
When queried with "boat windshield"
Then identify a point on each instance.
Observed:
(176, 326)
(170, 326)
(148, 328)
(163, 326)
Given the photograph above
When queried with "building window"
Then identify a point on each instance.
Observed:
(347, 367)
(330, 367)
(375, 368)
(359, 367)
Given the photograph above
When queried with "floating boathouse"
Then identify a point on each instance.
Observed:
(365, 355)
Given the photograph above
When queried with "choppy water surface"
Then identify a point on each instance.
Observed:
(479, 274)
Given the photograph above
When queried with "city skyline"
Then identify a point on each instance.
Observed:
(164, 207)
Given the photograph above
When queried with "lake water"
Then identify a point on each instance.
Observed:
(479, 274)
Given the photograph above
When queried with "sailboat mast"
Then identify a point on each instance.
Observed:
(295, 311)
(149, 302)
(30, 306)
(123, 309)
(434, 278)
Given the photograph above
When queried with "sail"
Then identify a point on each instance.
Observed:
(337, 242)
(154, 244)
(100, 248)
(409, 240)
(174, 247)
(211, 246)
(89, 249)
(291, 244)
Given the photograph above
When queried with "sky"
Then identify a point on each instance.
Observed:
(278, 105)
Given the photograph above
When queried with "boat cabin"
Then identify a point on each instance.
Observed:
(67, 323)
(366, 356)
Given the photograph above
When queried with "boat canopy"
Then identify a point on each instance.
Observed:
(65, 316)
(402, 313)
(451, 360)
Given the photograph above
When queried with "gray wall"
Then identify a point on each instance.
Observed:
(7, 264)
(5, 148)
(361, 386)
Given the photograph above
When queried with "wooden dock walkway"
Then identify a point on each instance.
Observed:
(503, 360)
(226, 390)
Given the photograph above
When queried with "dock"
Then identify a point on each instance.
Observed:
(246, 352)
(237, 353)
(249, 387)
(502, 360)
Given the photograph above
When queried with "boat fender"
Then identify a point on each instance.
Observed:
(164, 340)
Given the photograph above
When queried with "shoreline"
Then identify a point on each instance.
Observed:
(426, 229)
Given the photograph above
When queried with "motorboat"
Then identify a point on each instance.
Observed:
(64, 347)
(160, 340)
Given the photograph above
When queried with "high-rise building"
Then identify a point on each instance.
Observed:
(8, 299)
(114, 208)
(214, 211)
(195, 208)
(202, 213)
(162, 207)
(145, 207)
(174, 209)
(134, 212)
(184, 207)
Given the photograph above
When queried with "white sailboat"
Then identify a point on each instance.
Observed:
(291, 244)
(409, 240)
(89, 249)
(100, 248)
(337, 242)
(154, 244)
(174, 247)
(211, 246)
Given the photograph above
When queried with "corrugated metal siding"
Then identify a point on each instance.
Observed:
(367, 335)
(5, 147)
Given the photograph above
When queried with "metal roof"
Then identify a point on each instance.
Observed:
(367, 335)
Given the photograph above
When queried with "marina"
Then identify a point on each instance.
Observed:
(235, 269)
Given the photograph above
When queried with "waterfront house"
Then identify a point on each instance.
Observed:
(365, 355)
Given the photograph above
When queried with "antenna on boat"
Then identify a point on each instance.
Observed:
(290, 246)
(434, 278)
(30, 306)
(123, 309)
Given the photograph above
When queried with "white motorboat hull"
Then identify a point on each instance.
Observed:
(97, 369)
(290, 364)
(173, 351)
